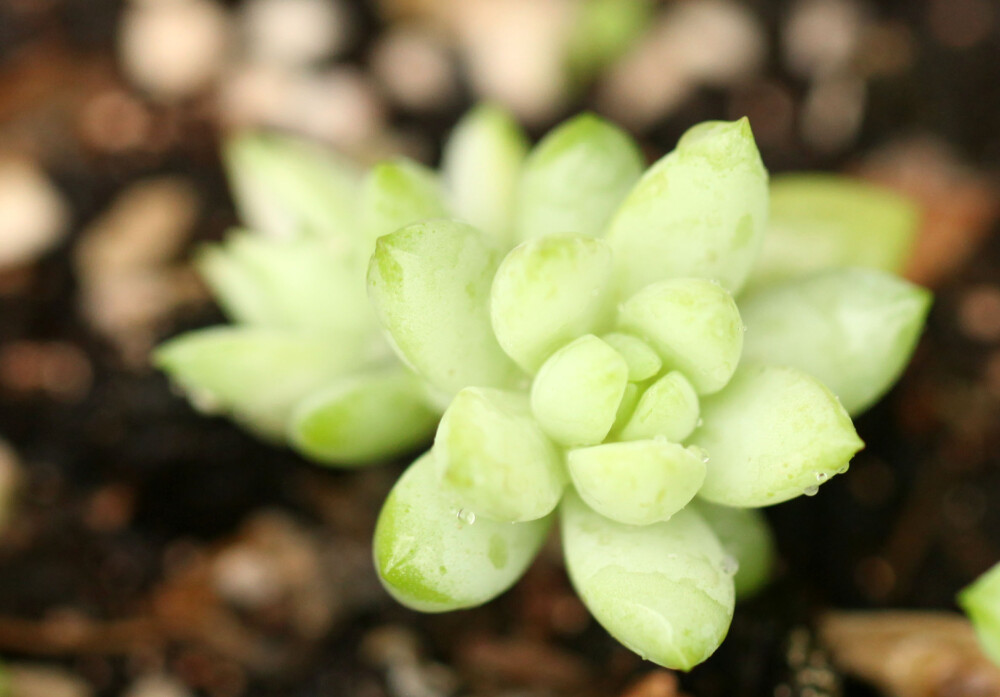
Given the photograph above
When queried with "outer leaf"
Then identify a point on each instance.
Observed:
(575, 178)
(663, 590)
(430, 285)
(397, 194)
(482, 166)
(830, 221)
(289, 284)
(668, 409)
(364, 418)
(643, 362)
(981, 602)
(547, 292)
(772, 434)
(694, 325)
(257, 375)
(576, 394)
(432, 556)
(854, 329)
(746, 535)
(700, 211)
(492, 452)
(637, 483)
(285, 187)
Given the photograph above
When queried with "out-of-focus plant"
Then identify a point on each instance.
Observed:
(583, 327)
(981, 602)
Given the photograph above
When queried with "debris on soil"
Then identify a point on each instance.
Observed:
(911, 654)
(960, 205)
(128, 263)
(33, 214)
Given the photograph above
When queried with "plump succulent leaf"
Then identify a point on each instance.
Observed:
(695, 326)
(396, 194)
(853, 329)
(643, 362)
(820, 221)
(746, 535)
(663, 590)
(433, 556)
(297, 284)
(638, 483)
(547, 292)
(700, 211)
(429, 284)
(772, 434)
(575, 178)
(492, 452)
(577, 392)
(256, 374)
(668, 408)
(981, 602)
(481, 166)
(285, 187)
(363, 417)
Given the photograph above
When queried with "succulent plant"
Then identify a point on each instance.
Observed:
(582, 329)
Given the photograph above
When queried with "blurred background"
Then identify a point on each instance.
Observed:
(151, 552)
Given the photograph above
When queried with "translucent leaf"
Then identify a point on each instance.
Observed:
(662, 590)
(668, 408)
(643, 362)
(637, 483)
(285, 187)
(255, 374)
(693, 324)
(430, 285)
(700, 211)
(820, 221)
(746, 535)
(981, 602)
(854, 329)
(575, 178)
(772, 434)
(397, 194)
(481, 165)
(547, 292)
(364, 418)
(576, 394)
(492, 452)
(291, 284)
(433, 556)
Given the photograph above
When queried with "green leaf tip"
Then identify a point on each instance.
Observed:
(285, 187)
(434, 556)
(494, 454)
(981, 602)
(853, 329)
(575, 178)
(664, 590)
(701, 211)
(772, 434)
(362, 418)
(256, 375)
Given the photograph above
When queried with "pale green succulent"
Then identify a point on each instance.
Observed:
(582, 327)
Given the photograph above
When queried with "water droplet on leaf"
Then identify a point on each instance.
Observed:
(811, 490)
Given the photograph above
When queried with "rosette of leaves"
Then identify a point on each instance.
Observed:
(304, 361)
(601, 365)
